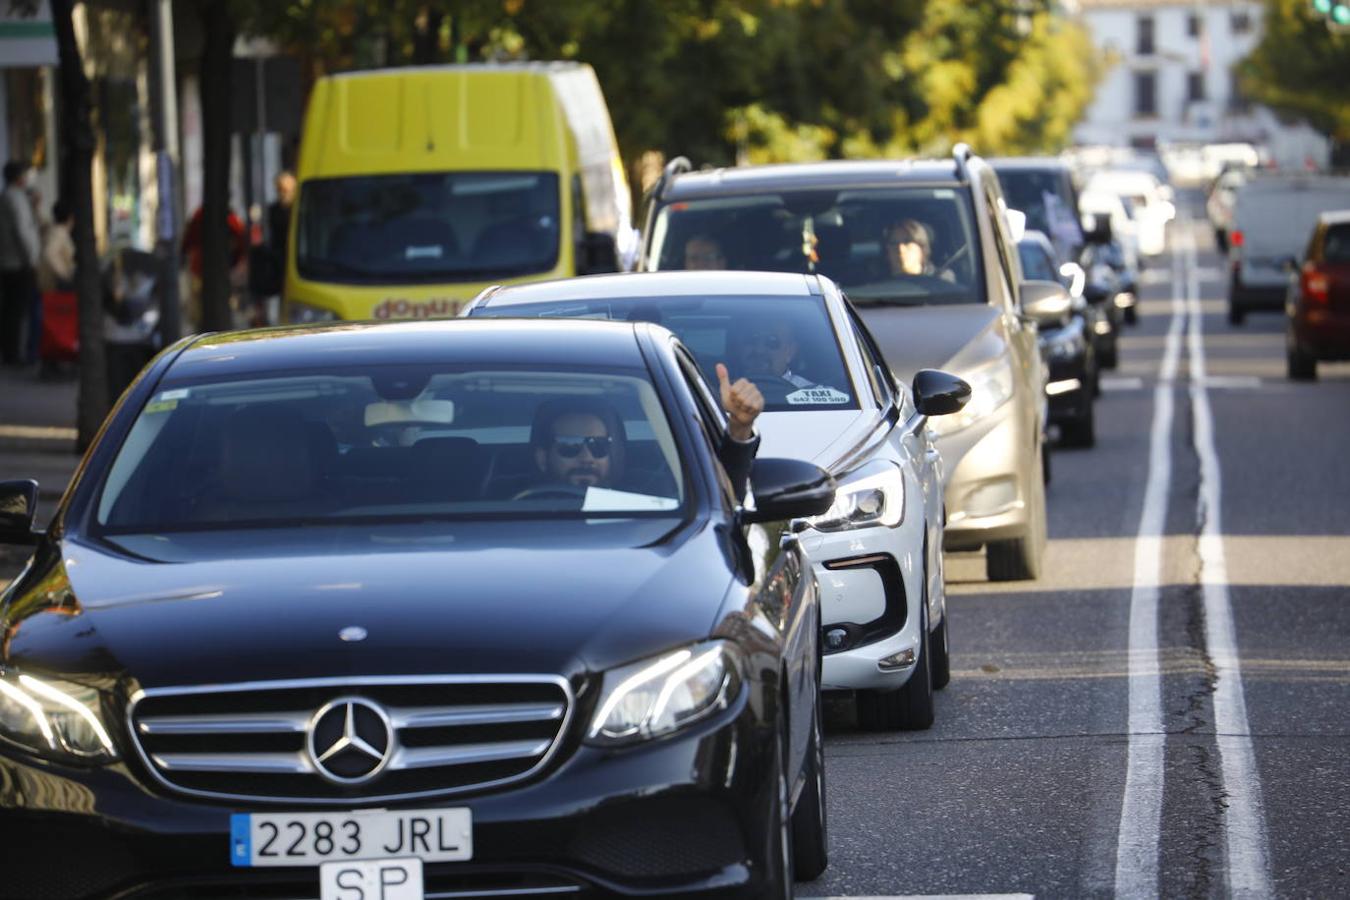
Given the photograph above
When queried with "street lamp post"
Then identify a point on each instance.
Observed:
(164, 107)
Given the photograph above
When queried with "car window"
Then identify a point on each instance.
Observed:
(1336, 245)
(899, 245)
(427, 227)
(390, 443)
(879, 376)
(785, 345)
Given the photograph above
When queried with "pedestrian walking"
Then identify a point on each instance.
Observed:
(20, 246)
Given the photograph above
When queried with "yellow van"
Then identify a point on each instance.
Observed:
(421, 186)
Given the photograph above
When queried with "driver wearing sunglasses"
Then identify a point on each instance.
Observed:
(581, 442)
(578, 442)
(767, 349)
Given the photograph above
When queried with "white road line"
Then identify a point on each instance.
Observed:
(1138, 839)
(1236, 382)
(1244, 821)
(38, 432)
(1126, 383)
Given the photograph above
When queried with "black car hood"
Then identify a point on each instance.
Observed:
(563, 597)
(935, 337)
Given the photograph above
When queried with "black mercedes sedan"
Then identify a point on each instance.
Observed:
(463, 608)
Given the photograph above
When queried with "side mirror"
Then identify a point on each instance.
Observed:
(1047, 302)
(788, 489)
(939, 393)
(597, 254)
(18, 507)
(1075, 277)
(1097, 228)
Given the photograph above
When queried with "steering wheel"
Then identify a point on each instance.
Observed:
(773, 385)
(561, 489)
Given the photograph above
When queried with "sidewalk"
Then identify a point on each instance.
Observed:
(37, 432)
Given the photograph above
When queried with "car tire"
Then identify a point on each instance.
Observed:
(1236, 314)
(1108, 357)
(942, 660)
(1131, 315)
(810, 826)
(1020, 559)
(1081, 432)
(1302, 366)
(778, 854)
(911, 707)
(1047, 470)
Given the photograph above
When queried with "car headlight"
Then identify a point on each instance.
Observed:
(53, 718)
(653, 697)
(873, 494)
(990, 387)
(298, 313)
(1064, 343)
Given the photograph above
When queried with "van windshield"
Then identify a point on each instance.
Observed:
(906, 246)
(427, 227)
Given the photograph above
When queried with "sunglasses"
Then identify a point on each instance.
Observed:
(570, 446)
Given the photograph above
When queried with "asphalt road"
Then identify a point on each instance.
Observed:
(1201, 752)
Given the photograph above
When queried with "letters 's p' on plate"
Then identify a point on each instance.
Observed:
(371, 879)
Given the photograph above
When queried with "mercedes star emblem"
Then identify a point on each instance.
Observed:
(350, 740)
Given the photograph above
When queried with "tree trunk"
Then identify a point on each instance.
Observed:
(218, 243)
(78, 136)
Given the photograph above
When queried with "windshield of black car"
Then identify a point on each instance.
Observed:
(785, 345)
(427, 227)
(393, 443)
(856, 237)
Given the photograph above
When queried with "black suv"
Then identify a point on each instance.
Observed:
(924, 249)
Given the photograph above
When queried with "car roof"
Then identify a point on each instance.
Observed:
(1337, 217)
(658, 284)
(802, 176)
(447, 341)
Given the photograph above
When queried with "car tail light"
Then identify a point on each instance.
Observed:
(1236, 238)
(1315, 283)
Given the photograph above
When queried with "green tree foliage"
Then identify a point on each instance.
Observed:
(1301, 67)
(727, 80)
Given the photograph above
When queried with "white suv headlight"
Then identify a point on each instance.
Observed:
(653, 697)
(52, 718)
(873, 494)
(991, 386)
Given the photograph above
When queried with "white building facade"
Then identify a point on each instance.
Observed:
(1171, 79)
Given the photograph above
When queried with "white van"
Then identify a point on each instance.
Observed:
(1271, 224)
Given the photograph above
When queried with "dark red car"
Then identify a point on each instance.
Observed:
(1319, 302)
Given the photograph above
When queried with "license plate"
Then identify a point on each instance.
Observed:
(309, 839)
(357, 879)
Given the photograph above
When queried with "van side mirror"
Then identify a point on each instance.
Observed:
(788, 489)
(597, 254)
(18, 508)
(939, 393)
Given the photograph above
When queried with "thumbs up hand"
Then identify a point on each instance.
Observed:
(743, 403)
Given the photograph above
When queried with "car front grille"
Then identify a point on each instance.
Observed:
(350, 740)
